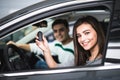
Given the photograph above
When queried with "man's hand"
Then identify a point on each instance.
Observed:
(11, 42)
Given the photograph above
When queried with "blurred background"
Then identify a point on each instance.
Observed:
(10, 6)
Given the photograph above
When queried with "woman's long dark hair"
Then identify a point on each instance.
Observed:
(82, 55)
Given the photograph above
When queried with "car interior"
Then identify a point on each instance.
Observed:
(19, 59)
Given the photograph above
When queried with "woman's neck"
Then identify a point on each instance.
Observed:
(94, 53)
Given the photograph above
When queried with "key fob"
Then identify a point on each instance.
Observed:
(39, 34)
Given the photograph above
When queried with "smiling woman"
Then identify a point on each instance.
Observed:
(89, 38)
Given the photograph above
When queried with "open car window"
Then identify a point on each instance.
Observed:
(24, 32)
(28, 33)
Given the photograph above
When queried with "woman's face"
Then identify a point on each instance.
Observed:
(87, 36)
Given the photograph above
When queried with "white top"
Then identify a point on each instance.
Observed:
(65, 52)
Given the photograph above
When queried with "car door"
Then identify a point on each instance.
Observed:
(114, 39)
(102, 10)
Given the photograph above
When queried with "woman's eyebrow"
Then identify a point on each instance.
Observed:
(83, 31)
(86, 30)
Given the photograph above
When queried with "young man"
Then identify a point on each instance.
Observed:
(62, 47)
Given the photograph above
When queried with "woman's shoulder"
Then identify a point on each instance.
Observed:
(96, 61)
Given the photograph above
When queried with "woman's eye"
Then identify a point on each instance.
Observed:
(87, 33)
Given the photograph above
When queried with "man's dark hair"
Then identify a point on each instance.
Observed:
(60, 21)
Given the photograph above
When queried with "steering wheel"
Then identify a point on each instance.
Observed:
(15, 58)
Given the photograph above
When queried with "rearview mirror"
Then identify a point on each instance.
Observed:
(41, 24)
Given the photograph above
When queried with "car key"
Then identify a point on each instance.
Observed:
(39, 34)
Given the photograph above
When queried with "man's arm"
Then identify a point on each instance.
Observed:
(43, 45)
(23, 46)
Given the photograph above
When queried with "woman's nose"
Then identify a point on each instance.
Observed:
(83, 38)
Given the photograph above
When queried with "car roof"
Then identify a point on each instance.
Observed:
(38, 6)
(37, 9)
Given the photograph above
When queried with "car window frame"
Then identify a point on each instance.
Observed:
(59, 10)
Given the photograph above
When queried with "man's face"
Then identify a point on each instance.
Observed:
(60, 32)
